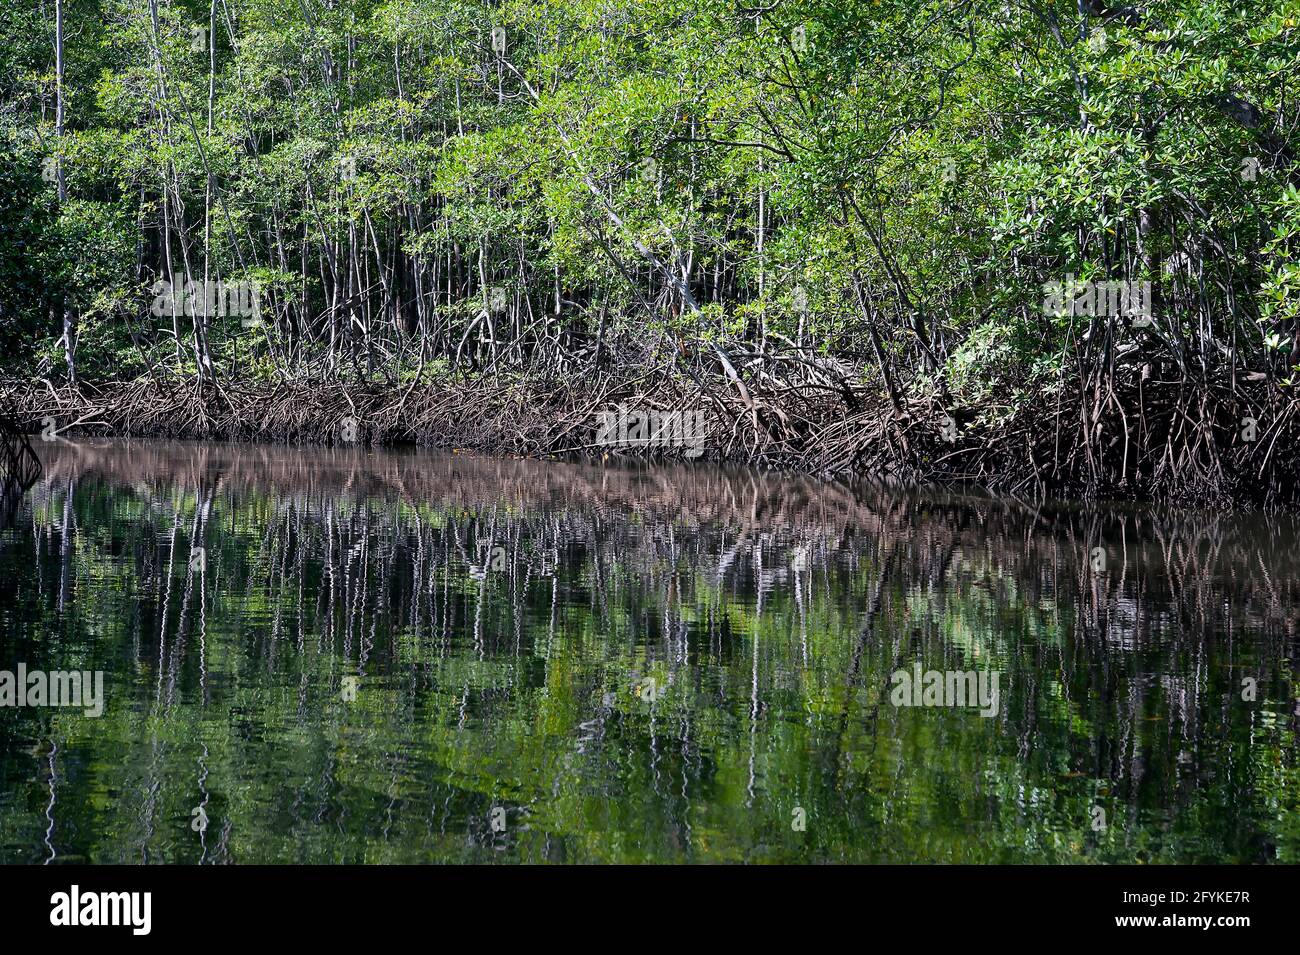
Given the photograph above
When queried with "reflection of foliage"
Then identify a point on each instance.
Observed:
(19, 469)
(520, 690)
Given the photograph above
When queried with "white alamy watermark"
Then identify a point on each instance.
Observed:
(1116, 298)
(492, 558)
(973, 688)
(75, 907)
(661, 429)
(62, 688)
(186, 296)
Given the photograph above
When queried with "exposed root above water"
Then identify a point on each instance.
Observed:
(1134, 436)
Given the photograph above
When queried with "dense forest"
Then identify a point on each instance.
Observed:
(1040, 245)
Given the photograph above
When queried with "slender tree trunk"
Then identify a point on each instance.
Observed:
(69, 321)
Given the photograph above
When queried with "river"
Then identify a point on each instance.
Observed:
(318, 656)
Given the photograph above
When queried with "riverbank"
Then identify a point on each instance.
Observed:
(1142, 438)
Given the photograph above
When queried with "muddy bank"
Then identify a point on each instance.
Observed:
(1150, 440)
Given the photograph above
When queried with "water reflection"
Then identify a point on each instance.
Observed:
(343, 656)
(19, 469)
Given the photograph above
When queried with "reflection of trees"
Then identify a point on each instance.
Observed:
(772, 607)
(19, 470)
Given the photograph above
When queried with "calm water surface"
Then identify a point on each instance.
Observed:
(342, 656)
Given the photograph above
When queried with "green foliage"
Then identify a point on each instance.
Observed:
(26, 244)
(916, 170)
